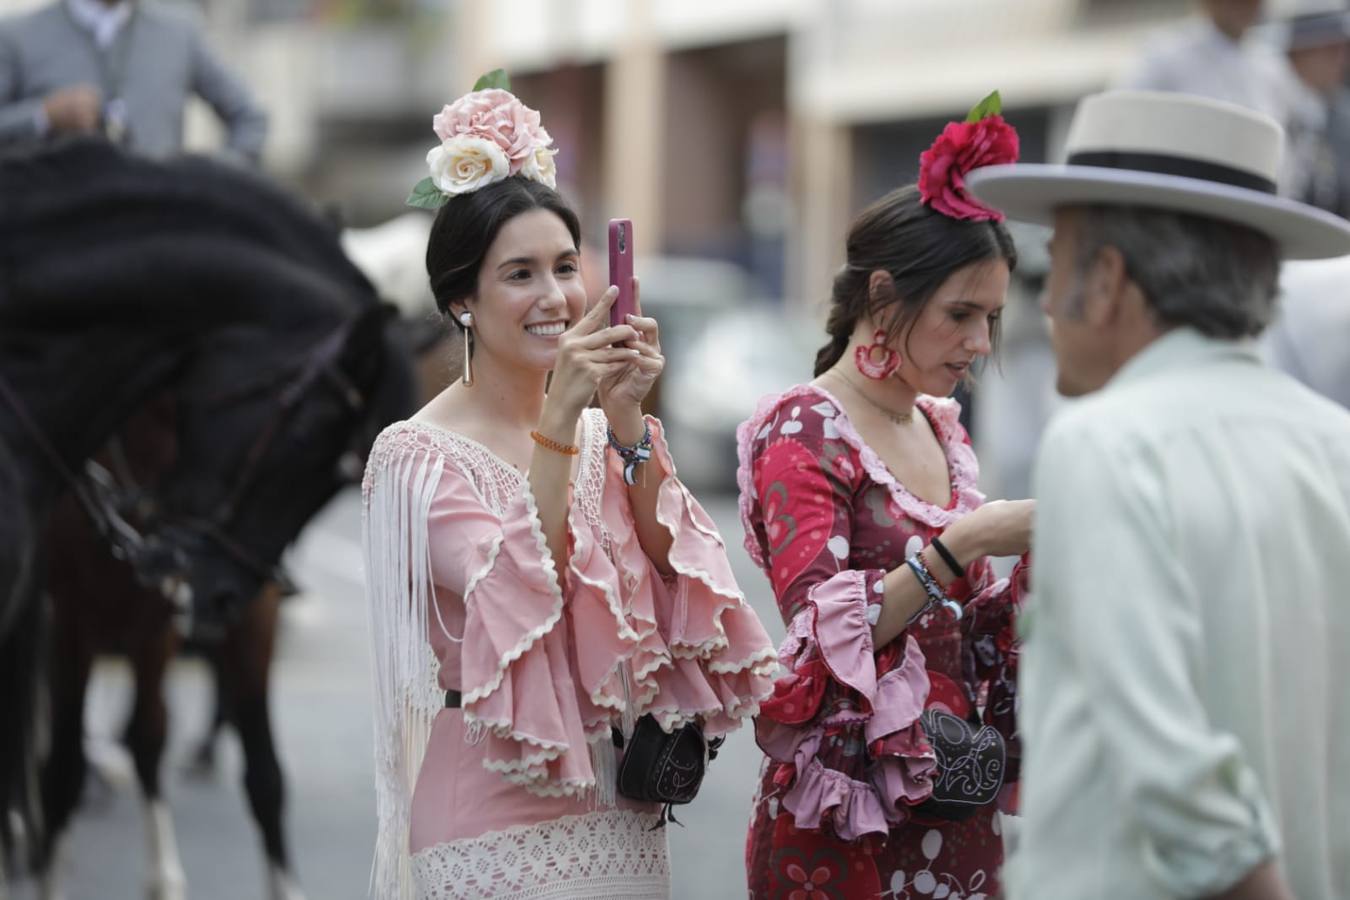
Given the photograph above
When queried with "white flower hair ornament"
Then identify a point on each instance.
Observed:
(486, 136)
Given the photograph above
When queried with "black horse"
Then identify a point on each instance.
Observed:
(119, 278)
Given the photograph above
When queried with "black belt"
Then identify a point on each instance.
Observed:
(452, 699)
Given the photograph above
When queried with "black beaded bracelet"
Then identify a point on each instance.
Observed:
(948, 558)
(635, 455)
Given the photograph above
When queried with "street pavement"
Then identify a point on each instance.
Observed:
(321, 710)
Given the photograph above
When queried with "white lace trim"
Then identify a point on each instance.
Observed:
(493, 479)
(591, 477)
(602, 854)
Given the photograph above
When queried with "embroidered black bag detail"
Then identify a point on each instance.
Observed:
(971, 765)
(663, 767)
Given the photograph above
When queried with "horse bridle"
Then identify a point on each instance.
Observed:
(96, 492)
(319, 365)
(104, 513)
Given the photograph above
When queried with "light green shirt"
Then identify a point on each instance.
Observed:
(1184, 703)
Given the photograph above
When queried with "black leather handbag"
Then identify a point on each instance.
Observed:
(663, 767)
(971, 765)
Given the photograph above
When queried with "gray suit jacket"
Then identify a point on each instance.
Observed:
(165, 61)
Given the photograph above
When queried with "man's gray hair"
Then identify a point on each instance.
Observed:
(1217, 277)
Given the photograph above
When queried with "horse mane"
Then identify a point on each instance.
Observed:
(90, 230)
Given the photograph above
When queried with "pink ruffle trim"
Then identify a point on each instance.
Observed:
(842, 632)
(515, 662)
(835, 626)
(855, 808)
(688, 645)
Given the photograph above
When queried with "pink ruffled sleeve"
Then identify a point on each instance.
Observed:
(516, 680)
(694, 645)
(549, 664)
(843, 724)
(837, 688)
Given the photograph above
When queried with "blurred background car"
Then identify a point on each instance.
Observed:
(715, 383)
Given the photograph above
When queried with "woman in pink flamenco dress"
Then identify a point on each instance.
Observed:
(859, 497)
(537, 574)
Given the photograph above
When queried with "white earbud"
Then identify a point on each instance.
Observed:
(466, 319)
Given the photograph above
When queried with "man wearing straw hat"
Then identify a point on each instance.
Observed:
(1186, 731)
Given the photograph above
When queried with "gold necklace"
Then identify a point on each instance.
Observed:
(897, 418)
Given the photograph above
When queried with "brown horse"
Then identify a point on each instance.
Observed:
(126, 277)
(101, 608)
(106, 296)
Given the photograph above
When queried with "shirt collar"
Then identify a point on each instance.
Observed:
(99, 19)
(1182, 348)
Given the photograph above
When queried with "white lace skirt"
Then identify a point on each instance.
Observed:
(613, 853)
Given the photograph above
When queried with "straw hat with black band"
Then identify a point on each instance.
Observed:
(1168, 151)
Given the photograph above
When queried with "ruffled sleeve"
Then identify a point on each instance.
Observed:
(838, 692)
(843, 724)
(518, 685)
(694, 647)
(550, 664)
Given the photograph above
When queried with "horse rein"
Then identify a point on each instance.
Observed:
(125, 540)
(123, 537)
(319, 364)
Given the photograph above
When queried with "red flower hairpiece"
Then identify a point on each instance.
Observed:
(983, 139)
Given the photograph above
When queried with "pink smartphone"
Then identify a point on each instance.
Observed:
(621, 269)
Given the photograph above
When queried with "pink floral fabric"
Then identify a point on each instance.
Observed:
(846, 758)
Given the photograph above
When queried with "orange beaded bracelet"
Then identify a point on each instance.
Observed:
(549, 444)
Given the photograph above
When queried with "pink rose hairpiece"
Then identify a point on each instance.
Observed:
(983, 139)
(487, 135)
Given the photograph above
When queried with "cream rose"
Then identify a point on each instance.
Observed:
(465, 163)
(540, 166)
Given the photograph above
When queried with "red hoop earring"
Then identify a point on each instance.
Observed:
(876, 360)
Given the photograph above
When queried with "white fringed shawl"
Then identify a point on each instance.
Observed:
(400, 484)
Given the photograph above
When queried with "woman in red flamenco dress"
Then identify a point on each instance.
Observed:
(859, 498)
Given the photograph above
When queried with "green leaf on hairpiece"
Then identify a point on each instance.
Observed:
(989, 106)
(497, 79)
(425, 195)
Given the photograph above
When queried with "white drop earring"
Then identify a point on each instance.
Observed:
(466, 319)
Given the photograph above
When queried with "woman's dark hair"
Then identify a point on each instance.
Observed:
(467, 224)
(920, 248)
